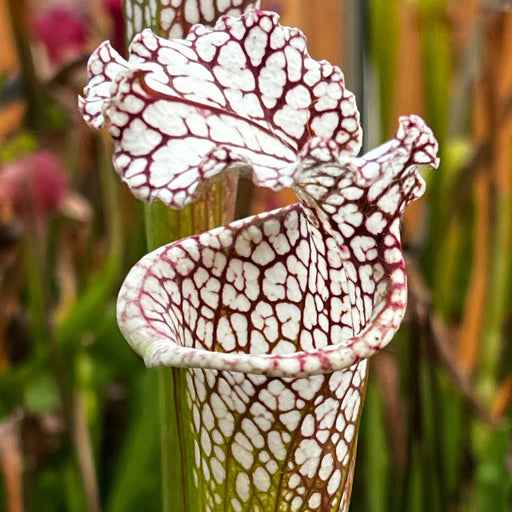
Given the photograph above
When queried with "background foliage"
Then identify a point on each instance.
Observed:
(78, 413)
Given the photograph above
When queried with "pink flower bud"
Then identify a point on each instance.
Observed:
(63, 33)
(34, 186)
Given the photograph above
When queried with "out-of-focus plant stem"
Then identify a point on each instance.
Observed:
(78, 316)
(492, 93)
(437, 62)
(42, 330)
(59, 335)
(376, 455)
(18, 12)
(102, 284)
(385, 36)
(44, 334)
(471, 326)
(493, 90)
(11, 462)
(40, 110)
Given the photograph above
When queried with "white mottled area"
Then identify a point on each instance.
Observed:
(286, 284)
(248, 424)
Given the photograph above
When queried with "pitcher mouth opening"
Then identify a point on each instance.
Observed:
(173, 317)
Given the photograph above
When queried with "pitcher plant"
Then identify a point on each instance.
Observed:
(272, 317)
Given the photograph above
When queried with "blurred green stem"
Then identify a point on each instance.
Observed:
(41, 111)
(437, 62)
(497, 295)
(100, 287)
(41, 328)
(76, 320)
(43, 333)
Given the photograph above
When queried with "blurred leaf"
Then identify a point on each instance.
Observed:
(374, 457)
(11, 392)
(74, 492)
(110, 348)
(454, 437)
(42, 394)
(414, 495)
(136, 484)
(384, 46)
(437, 71)
(19, 146)
(90, 304)
(14, 381)
(493, 478)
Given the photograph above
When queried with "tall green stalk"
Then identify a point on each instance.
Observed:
(163, 225)
(437, 59)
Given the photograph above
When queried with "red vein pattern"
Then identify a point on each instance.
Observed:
(311, 289)
(275, 315)
(325, 275)
(244, 92)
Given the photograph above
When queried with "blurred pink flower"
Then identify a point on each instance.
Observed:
(62, 31)
(34, 186)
